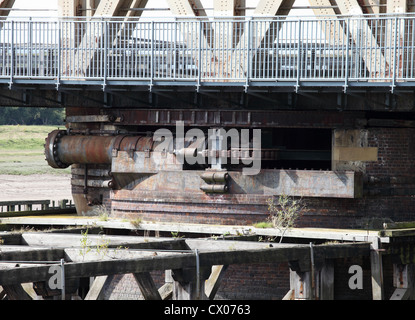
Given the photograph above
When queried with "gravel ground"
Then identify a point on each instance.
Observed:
(35, 187)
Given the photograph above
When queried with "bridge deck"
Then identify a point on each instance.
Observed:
(338, 52)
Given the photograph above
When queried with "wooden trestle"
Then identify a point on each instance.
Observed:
(195, 266)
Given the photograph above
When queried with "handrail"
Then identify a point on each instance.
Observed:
(341, 51)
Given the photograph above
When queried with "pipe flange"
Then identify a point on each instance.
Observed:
(51, 149)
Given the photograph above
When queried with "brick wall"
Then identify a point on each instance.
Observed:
(389, 196)
(255, 282)
(266, 282)
(242, 282)
(389, 192)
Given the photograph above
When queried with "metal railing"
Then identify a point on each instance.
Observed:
(274, 51)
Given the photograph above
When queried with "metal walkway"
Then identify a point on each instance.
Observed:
(341, 52)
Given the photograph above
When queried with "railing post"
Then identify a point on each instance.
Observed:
(12, 56)
(394, 55)
(176, 52)
(199, 67)
(346, 72)
(298, 57)
(62, 279)
(30, 43)
(248, 56)
(152, 57)
(58, 73)
(105, 29)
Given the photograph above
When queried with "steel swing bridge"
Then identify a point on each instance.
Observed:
(340, 51)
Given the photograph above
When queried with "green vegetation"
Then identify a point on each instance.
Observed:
(31, 116)
(85, 244)
(136, 222)
(22, 150)
(263, 225)
(285, 212)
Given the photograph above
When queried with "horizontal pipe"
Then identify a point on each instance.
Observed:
(214, 188)
(85, 149)
(215, 177)
(63, 150)
(93, 183)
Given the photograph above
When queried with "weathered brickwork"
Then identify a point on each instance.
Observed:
(242, 282)
(255, 282)
(389, 188)
(266, 282)
(388, 191)
(389, 194)
(124, 287)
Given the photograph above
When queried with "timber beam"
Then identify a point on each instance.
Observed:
(147, 261)
(197, 266)
(403, 281)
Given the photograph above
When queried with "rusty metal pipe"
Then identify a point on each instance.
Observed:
(93, 183)
(214, 188)
(63, 150)
(215, 177)
(85, 149)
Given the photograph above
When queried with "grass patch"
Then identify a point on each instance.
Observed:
(263, 225)
(22, 150)
(23, 137)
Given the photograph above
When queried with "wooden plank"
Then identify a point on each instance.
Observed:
(400, 294)
(74, 240)
(326, 281)
(289, 295)
(24, 202)
(16, 292)
(32, 254)
(398, 232)
(300, 283)
(40, 212)
(188, 291)
(190, 285)
(164, 261)
(403, 281)
(377, 271)
(147, 286)
(2, 293)
(166, 291)
(97, 290)
(10, 239)
(309, 233)
(213, 282)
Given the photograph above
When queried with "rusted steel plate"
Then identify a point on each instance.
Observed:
(178, 193)
(85, 149)
(144, 162)
(306, 183)
(182, 207)
(240, 118)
